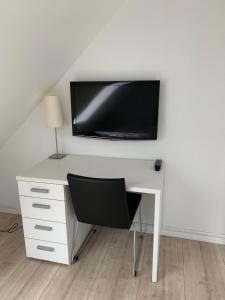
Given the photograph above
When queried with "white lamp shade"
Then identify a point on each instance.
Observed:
(53, 112)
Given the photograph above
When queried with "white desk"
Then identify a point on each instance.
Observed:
(50, 176)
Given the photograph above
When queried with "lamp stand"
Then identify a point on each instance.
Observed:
(57, 155)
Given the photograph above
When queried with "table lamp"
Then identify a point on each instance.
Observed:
(54, 120)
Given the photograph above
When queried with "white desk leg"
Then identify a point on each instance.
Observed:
(156, 236)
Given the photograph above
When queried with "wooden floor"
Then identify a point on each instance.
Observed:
(189, 270)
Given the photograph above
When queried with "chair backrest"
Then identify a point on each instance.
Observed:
(99, 201)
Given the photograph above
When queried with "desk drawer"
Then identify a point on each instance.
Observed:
(41, 190)
(43, 209)
(44, 230)
(47, 251)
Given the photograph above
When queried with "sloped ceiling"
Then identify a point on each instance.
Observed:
(39, 40)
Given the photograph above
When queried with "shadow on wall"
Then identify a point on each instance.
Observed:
(31, 143)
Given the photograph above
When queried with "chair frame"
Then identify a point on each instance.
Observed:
(136, 248)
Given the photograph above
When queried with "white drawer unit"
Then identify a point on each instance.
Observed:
(45, 230)
(48, 221)
(47, 251)
(41, 190)
(43, 209)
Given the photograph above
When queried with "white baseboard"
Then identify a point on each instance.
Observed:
(186, 233)
(10, 210)
(194, 235)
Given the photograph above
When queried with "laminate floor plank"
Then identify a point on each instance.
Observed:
(70, 282)
(126, 286)
(204, 271)
(6, 220)
(104, 285)
(91, 264)
(222, 249)
(12, 252)
(61, 282)
(38, 281)
(170, 283)
(11, 288)
(189, 270)
(12, 249)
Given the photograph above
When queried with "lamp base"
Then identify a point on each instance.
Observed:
(57, 156)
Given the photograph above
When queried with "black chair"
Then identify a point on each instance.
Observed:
(105, 202)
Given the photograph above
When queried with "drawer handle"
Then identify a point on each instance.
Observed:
(44, 206)
(41, 227)
(36, 190)
(45, 248)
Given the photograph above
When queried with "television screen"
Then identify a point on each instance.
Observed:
(115, 109)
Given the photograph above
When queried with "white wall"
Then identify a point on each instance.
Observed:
(39, 40)
(182, 44)
(31, 143)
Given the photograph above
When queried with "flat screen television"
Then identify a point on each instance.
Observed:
(115, 109)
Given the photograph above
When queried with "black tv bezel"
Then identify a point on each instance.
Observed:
(75, 132)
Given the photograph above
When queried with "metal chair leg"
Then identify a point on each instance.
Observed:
(140, 220)
(136, 254)
(91, 232)
(75, 258)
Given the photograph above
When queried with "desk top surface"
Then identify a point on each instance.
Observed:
(139, 174)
